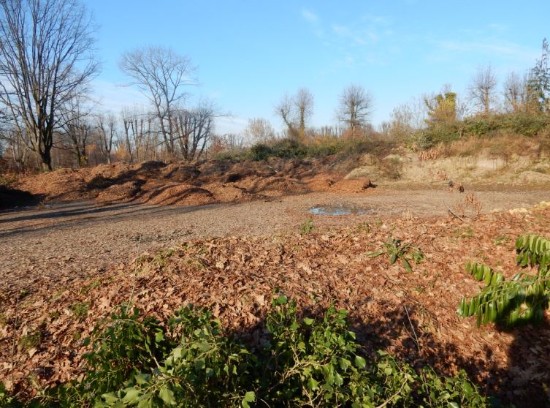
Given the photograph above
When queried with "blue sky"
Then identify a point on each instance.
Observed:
(250, 54)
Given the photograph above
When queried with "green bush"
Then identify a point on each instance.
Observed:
(192, 362)
(260, 152)
(526, 125)
(439, 133)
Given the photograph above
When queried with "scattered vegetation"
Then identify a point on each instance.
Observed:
(191, 361)
(522, 299)
(397, 250)
(307, 226)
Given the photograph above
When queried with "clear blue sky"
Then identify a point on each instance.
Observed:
(249, 54)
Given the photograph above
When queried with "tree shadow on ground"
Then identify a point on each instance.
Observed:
(13, 198)
(529, 367)
(522, 383)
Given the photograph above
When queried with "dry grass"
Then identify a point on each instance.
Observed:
(503, 146)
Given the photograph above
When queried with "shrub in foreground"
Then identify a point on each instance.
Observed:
(302, 361)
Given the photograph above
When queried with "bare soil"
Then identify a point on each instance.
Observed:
(228, 244)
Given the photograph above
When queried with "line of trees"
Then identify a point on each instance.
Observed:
(46, 66)
(47, 118)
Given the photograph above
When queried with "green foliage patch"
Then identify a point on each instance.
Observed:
(190, 361)
(397, 250)
(522, 299)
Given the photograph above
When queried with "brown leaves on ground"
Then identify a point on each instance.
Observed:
(410, 314)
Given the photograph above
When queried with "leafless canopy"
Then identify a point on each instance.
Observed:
(45, 59)
(482, 89)
(515, 90)
(296, 112)
(161, 75)
(259, 130)
(355, 107)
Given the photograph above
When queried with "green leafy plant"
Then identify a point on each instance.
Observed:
(449, 392)
(307, 227)
(522, 299)
(123, 347)
(396, 249)
(190, 361)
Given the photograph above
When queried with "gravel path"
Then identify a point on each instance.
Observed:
(81, 238)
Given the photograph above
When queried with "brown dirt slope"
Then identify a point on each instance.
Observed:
(188, 184)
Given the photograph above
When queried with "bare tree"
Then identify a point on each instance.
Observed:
(140, 138)
(482, 89)
(106, 131)
(194, 128)
(45, 59)
(515, 89)
(259, 130)
(285, 110)
(304, 108)
(77, 128)
(355, 107)
(161, 75)
(296, 112)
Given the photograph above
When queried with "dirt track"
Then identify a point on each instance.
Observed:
(79, 238)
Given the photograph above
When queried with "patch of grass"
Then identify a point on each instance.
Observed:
(80, 310)
(30, 340)
(464, 232)
(307, 227)
(391, 168)
(96, 283)
(56, 314)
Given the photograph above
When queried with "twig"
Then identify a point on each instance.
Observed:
(412, 327)
(393, 396)
(455, 215)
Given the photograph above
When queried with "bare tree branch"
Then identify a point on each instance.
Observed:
(482, 89)
(355, 107)
(161, 75)
(45, 59)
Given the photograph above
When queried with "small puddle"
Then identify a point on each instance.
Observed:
(342, 209)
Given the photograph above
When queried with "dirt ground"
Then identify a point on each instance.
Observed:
(229, 245)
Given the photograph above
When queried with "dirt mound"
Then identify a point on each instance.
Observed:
(180, 183)
(180, 194)
(120, 192)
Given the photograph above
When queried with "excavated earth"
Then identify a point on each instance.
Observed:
(227, 236)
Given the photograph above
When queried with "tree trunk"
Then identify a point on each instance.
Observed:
(46, 158)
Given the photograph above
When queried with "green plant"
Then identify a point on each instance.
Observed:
(302, 360)
(396, 249)
(6, 400)
(522, 299)
(80, 310)
(449, 392)
(307, 227)
(30, 340)
(125, 346)
(203, 369)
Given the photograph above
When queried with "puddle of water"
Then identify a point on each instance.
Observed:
(341, 209)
